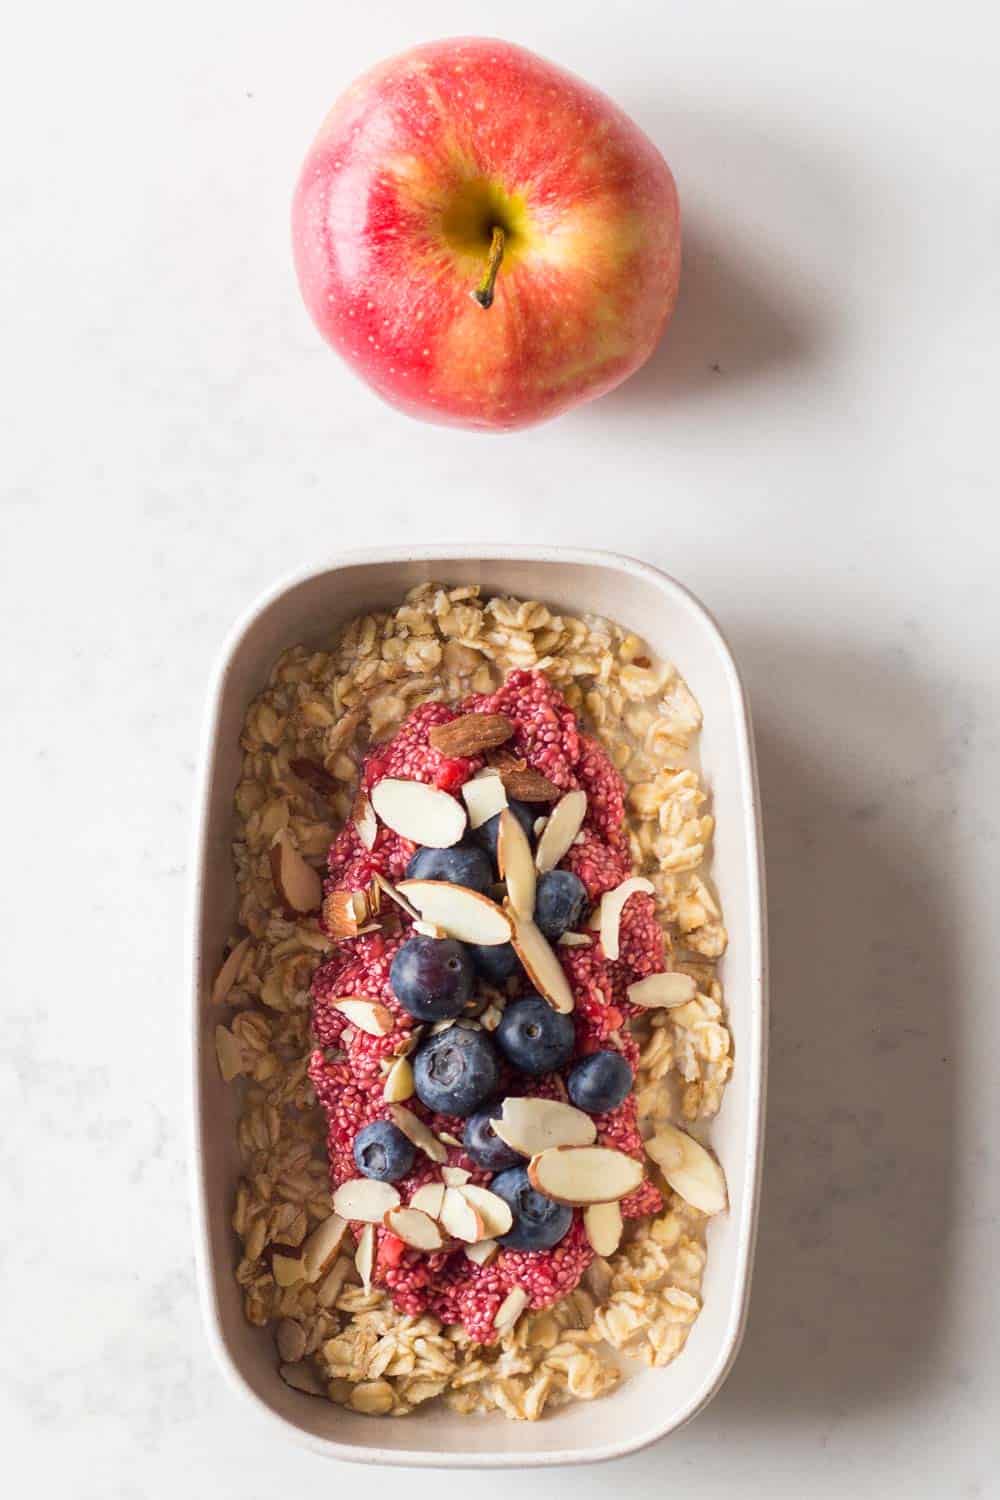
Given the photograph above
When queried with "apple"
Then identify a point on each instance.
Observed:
(485, 239)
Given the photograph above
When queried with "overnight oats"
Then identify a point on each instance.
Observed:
(475, 1009)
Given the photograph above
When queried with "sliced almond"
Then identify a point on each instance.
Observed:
(321, 1248)
(607, 918)
(398, 1084)
(538, 827)
(484, 796)
(603, 1225)
(345, 912)
(494, 1211)
(424, 814)
(521, 782)
(414, 1228)
(471, 734)
(364, 1260)
(367, 1015)
(365, 1199)
(510, 1309)
(226, 977)
(516, 865)
(662, 991)
(482, 1252)
(428, 929)
(460, 1218)
(301, 1377)
(365, 821)
(574, 940)
(454, 1176)
(419, 1134)
(393, 893)
(690, 1170)
(429, 1199)
(229, 1054)
(585, 1174)
(564, 824)
(287, 1270)
(299, 888)
(462, 913)
(531, 1126)
(449, 1139)
(542, 966)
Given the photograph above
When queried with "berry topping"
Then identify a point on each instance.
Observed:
(383, 1152)
(600, 1082)
(463, 864)
(456, 1071)
(496, 963)
(560, 897)
(482, 1143)
(539, 1222)
(534, 1037)
(432, 978)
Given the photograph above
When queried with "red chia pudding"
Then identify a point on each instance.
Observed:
(347, 1068)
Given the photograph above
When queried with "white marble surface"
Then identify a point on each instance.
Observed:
(814, 451)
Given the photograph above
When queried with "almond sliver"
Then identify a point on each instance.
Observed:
(565, 822)
(365, 1199)
(662, 991)
(609, 912)
(692, 1172)
(484, 797)
(516, 865)
(581, 1175)
(463, 914)
(418, 812)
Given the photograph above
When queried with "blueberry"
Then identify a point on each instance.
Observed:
(456, 1071)
(496, 962)
(534, 1037)
(539, 1222)
(482, 1143)
(432, 978)
(383, 1152)
(599, 1082)
(462, 864)
(487, 833)
(560, 897)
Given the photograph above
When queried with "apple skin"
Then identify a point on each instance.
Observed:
(392, 222)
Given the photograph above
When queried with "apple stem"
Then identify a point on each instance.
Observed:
(483, 293)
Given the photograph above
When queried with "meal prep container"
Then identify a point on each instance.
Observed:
(650, 1403)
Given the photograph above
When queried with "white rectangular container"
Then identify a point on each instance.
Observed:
(650, 1403)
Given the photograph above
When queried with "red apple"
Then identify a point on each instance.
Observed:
(483, 237)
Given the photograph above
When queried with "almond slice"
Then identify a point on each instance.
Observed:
(392, 892)
(460, 1218)
(531, 1126)
(484, 796)
(414, 1228)
(345, 912)
(603, 1225)
(365, 821)
(564, 824)
(471, 734)
(581, 1175)
(419, 1134)
(287, 1270)
(516, 865)
(365, 1200)
(367, 1015)
(424, 814)
(542, 966)
(520, 781)
(607, 918)
(692, 1172)
(299, 888)
(574, 940)
(494, 1211)
(429, 1199)
(482, 1252)
(229, 1054)
(510, 1309)
(463, 914)
(364, 1260)
(428, 929)
(226, 977)
(662, 991)
(321, 1248)
(454, 1176)
(398, 1082)
(301, 1377)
